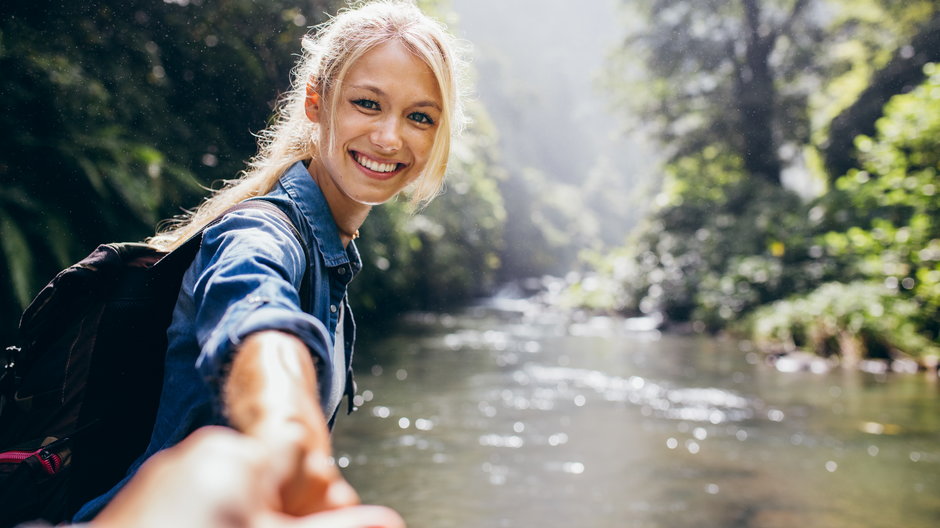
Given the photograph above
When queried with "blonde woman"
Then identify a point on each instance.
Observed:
(373, 105)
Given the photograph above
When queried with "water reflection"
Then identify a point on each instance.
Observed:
(531, 417)
(693, 404)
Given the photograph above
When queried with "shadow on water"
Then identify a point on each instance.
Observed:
(519, 416)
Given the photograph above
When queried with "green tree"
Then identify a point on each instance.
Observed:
(716, 245)
(723, 239)
(730, 75)
(725, 87)
(899, 57)
(884, 217)
(117, 113)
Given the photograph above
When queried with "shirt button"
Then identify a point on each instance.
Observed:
(333, 308)
(341, 271)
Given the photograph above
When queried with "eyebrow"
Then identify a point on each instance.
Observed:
(381, 93)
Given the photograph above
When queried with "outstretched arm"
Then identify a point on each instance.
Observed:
(271, 394)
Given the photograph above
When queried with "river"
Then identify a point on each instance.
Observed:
(513, 415)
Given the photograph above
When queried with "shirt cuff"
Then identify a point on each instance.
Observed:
(219, 351)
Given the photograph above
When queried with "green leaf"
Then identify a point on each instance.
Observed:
(18, 258)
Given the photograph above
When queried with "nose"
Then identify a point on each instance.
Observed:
(386, 136)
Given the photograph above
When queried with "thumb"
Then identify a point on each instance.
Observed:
(337, 493)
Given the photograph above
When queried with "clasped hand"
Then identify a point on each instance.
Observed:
(219, 478)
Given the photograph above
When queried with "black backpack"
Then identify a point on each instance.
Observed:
(79, 395)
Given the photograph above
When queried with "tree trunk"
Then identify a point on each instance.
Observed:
(904, 72)
(756, 98)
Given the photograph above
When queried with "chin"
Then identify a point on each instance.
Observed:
(372, 203)
(374, 194)
(371, 199)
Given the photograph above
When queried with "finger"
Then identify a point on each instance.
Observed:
(336, 492)
(341, 495)
(353, 517)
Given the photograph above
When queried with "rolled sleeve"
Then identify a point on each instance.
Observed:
(249, 268)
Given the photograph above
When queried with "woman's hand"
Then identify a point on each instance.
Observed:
(311, 481)
(218, 478)
(271, 395)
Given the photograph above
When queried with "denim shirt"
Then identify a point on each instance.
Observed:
(246, 278)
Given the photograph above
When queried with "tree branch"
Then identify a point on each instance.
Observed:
(794, 14)
(904, 71)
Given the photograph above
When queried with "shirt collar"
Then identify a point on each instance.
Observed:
(309, 199)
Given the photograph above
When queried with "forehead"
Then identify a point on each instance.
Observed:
(394, 70)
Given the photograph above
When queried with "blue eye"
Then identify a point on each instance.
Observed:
(421, 117)
(368, 104)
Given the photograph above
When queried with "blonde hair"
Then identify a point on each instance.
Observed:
(328, 53)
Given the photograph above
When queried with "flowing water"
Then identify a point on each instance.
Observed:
(511, 415)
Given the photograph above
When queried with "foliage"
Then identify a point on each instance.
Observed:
(882, 64)
(884, 218)
(731, 75)
(856, 320)
(712, 251)
(858, 265)
(878, 234)
(715, 254)
(865, 33)
(119, 113)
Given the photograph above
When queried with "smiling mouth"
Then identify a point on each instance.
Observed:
(376, 166)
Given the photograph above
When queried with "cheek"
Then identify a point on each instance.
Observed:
(422, 143)
(349, 125)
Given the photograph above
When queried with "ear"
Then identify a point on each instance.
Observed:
(312, 103)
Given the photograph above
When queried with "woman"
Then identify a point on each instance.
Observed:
(373, 104)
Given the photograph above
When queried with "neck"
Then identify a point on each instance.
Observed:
(347, 213)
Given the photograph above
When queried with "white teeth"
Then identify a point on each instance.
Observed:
(374, 165)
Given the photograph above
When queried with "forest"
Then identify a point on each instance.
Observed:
(795, 203)
(798, 203)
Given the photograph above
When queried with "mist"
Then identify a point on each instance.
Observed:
(538, 66)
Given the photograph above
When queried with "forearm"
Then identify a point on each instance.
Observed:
(273, 382)
(271, 394)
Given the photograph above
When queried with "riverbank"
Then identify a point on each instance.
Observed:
(771, 331)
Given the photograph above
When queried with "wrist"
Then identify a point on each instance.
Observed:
(272, 381)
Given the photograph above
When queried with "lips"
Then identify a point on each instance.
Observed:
(376, 168)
